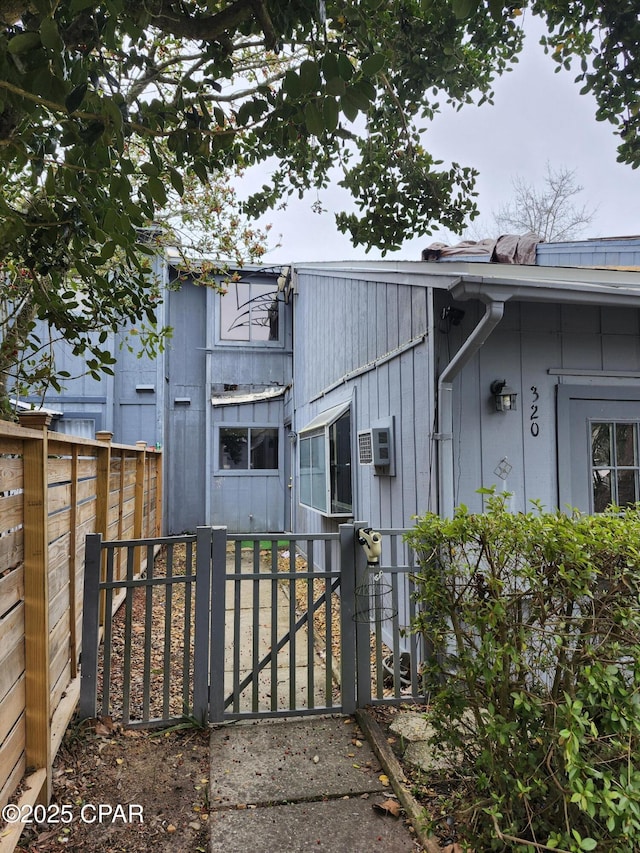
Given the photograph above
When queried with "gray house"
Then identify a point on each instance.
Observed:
(305, 396)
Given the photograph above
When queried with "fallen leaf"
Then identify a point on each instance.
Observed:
(389, 807)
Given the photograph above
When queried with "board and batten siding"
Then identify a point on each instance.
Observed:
(368, 342)
(535, 348)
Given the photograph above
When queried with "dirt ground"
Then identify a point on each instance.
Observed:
(160, 782)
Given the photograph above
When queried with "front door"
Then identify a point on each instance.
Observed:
(598, 446)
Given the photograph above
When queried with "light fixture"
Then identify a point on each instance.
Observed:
(503, 396)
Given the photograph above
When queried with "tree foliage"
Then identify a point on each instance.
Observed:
(109, 107)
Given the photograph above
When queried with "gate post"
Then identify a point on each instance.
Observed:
(202, 624)
(90, 626)
(362, 629)
(218, 604)
(347, 618)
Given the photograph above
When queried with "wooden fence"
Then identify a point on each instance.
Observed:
(54, 489)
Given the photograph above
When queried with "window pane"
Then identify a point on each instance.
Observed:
(234, 449)
(264, 449)
(233, 313)
(264, 313)
(625, 444)
(601, 444)
(318, 474)
(627, 489)
(340, 449)
(249, 312)
(305, 471)
(601, 490)
(313, 475)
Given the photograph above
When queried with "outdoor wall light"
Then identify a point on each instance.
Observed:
(503, 396)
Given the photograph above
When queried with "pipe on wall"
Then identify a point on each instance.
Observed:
(494, 311)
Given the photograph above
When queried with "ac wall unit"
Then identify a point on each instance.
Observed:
(375, 447)
(365, 447)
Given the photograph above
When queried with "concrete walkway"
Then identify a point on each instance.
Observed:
(288, 786)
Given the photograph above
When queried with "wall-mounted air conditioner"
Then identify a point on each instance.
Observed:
(375, 447)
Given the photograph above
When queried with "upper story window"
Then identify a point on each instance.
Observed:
(250, 312)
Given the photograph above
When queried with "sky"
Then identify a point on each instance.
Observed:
(538, 117)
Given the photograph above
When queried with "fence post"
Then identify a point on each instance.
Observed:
(202, 623)
(102, 497)
(363, 629)
(347, 617)
(218, 604)
(36, 609)
(90, 626)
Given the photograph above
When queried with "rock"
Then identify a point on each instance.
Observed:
(411, 727)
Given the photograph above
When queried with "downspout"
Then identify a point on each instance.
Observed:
(492, 316)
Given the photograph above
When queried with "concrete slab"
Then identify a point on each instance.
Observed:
(287, 761)
(335, 826)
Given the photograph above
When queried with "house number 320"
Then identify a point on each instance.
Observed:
(534, 425)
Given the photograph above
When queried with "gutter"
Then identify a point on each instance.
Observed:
(492, 316)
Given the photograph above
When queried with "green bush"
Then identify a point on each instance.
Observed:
(534, 622)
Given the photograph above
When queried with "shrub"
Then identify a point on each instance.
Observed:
(534, 620)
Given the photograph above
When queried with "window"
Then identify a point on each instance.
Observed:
(325, 462)
(248, 449)
(249, 312)
(614, 463)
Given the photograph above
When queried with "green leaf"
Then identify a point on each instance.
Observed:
(588, 844)
(23, 42)
(348, 106)
(75, 98)
(309, 76)
(330, 114)
(464, 8)
(157, 191)
(372, 64)
(335, 86)
(313, 119)
(291, 84)
(49, 35)
(176, 181)
(345, 66)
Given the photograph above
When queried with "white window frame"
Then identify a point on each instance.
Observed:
(316, 432)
